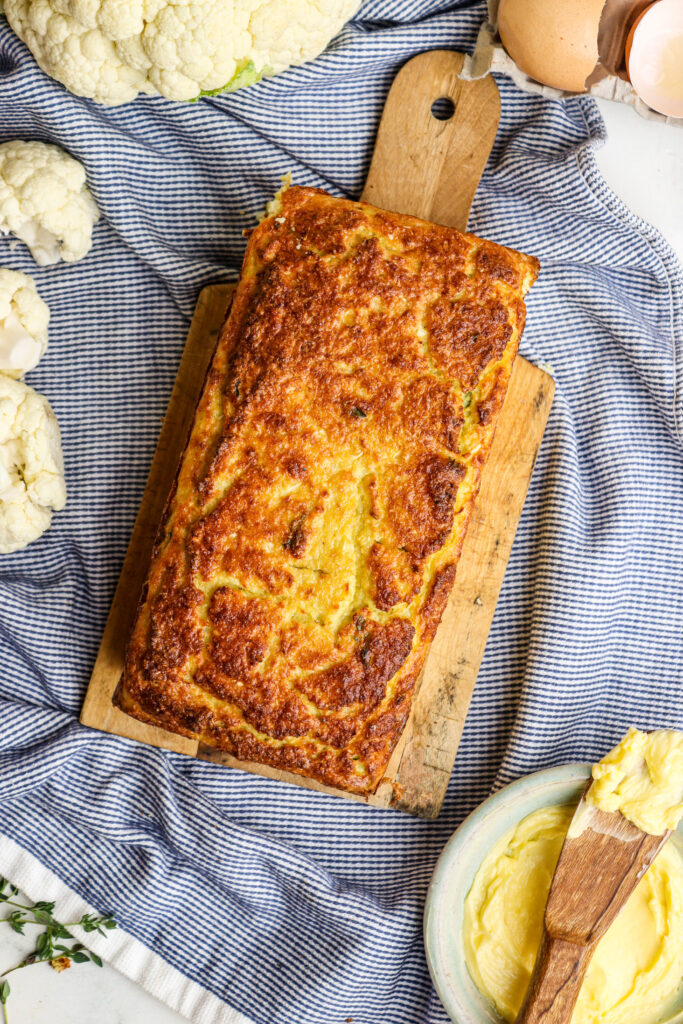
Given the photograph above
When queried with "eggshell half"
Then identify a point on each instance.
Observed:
(553, 41)
(654, 55)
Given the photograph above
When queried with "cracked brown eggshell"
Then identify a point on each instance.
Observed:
(553, 41)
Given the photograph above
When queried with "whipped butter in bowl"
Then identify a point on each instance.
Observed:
(485, 907)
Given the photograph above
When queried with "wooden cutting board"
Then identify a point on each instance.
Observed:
(430, 167)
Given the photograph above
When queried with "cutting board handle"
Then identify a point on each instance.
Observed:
(425, 166)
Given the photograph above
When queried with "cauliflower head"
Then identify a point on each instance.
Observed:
(111, 50)
(24, 318)
(45, 202)
(31, 465)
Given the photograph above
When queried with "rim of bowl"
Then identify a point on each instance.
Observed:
(525, 789)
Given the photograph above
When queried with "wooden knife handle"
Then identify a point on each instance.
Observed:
(555, 983)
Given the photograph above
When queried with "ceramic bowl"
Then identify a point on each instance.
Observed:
(454, 874)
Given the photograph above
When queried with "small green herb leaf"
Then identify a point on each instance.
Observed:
(16, 922)
(467, 400)
(7, 890)
(95, 958)
(359, 413)
(4, 991)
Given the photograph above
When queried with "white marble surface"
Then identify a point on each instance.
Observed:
(643, 163)
(83, 994)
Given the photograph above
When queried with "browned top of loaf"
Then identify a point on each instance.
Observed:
(308, 550)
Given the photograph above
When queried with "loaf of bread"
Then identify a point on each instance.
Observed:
(310, 543)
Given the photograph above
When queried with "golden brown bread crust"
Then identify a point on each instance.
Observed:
(308, 550)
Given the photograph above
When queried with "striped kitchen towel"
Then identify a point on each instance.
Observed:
(271, 903)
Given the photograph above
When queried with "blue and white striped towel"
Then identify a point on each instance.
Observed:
(291, 907)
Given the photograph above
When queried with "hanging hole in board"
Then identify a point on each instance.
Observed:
(443, 108)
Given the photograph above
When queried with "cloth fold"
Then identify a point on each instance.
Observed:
(288, 906)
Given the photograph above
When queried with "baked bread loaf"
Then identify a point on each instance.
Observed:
(309, 546)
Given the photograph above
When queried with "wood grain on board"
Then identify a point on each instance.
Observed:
(98, 710)
(428, 168)
(424, 166)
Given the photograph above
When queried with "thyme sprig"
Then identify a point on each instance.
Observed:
(50, 946)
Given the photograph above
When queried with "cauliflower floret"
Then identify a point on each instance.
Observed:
(31, 465)
(23, 323)
(111, 50)
(45, 201)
